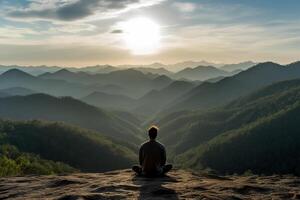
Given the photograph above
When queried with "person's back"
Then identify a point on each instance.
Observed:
(152, 157)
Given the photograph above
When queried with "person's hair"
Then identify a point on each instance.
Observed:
(152, 132)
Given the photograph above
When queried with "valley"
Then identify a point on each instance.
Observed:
(200, 122)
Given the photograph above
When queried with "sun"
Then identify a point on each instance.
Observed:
(141, 35)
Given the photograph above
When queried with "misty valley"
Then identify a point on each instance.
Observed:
(232, 119)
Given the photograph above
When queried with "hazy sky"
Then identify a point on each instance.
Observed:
(88, 32)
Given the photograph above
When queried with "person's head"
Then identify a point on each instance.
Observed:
(152, 132)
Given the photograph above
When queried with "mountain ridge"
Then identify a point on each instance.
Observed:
(208, 95)
(69, 110)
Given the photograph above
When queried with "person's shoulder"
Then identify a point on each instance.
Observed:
(144, 144)
(151, 143)
(160, 144)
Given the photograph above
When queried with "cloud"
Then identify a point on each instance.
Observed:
(71, 10)
(117, 31)
(185, 7)
(238, 41)
(10, 34)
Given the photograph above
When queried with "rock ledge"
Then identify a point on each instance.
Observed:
(123, 184)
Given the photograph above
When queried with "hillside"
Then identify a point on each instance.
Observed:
(239, 66)
(17, 91)
(33, 70)
(16, 163)
(200, 73)
(63, 82)
(240, 130)
(82, 149)
(206, 125)
(97, 69)
(155, 100)
(16, 78)
(159, 71)
(266, 146)
(3, 94)
(133, 82)
(233, 118)
(69, 110)
(112, 101)
(208, 95)
(150, 103)
(173, 67)
(64, 74)
(123, 184)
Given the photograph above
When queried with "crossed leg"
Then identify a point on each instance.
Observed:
(137, 169)
(165, 169)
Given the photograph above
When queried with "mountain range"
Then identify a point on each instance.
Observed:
(201, 73)
(259, 132)
(159, 68)
(174, 67)
(243, 122)
(69, 110)
(209, 95)
(239, 66)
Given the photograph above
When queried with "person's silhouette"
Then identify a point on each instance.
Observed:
(152, 157)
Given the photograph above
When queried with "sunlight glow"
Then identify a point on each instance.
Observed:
(141, 35)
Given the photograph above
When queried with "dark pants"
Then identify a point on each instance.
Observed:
(165, 169)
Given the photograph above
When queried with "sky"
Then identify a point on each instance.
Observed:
(90, 32)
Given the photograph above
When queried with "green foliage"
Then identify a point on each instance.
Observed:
(268, 146)
(8, 167)
(15, 163)
(194, 128)
(82, 149)
(257, 133)
(71, 111)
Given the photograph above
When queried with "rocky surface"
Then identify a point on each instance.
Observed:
(125, 185)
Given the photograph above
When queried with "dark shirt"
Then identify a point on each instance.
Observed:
(152, 157)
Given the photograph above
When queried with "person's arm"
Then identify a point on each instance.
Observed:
(164, 157)
(141, 156)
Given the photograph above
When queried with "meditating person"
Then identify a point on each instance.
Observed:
(152, 157)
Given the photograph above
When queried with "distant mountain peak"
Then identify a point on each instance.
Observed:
(16, 73)
(63, 72)
(238, 66)
(180, 83)
(205, 67)
(157, 64)
(269, 63)
(201, 73)
(265, 65)
(294, 64)
(162, 78)
(128, 71)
